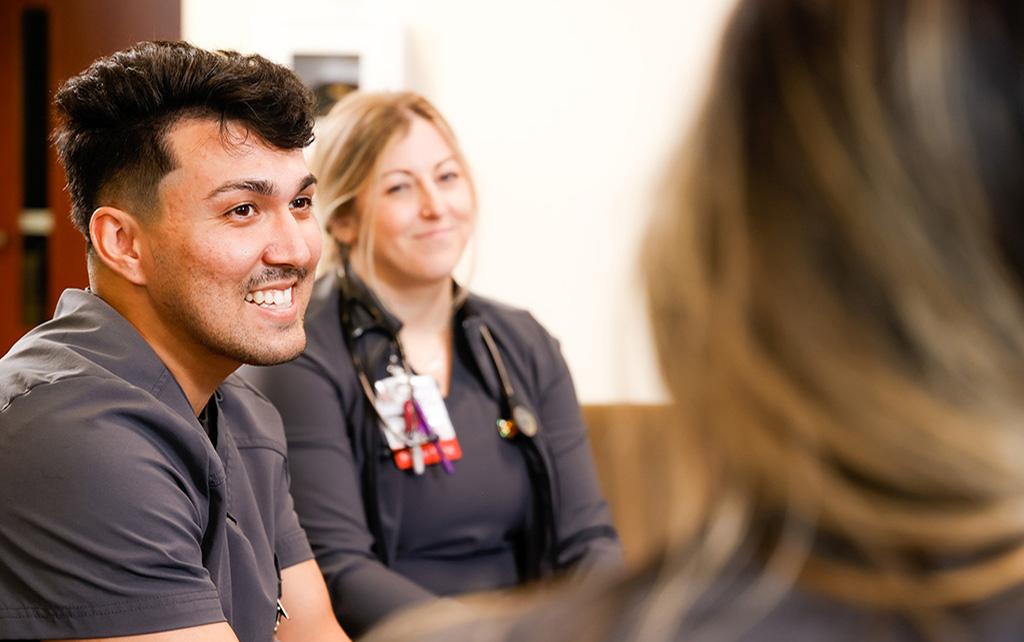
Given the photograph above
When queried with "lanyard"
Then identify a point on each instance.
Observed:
(517, 419)
(414, 431)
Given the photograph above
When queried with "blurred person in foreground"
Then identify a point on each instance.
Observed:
(143, 487)
(835, 283)
(403, 361)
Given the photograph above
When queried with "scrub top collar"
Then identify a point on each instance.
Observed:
(367, 311)
(114, 344)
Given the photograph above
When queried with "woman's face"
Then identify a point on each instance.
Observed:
(424, 209)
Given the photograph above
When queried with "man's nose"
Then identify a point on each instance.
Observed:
(289, 241)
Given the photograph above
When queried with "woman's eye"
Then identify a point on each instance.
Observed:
(396, 188)
(448, 177)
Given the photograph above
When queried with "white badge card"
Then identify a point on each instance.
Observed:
(413, 447)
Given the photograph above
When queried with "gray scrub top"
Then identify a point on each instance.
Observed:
(459, 533)
(118, 515)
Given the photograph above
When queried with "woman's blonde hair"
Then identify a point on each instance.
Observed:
(350, 141)
(835, 292)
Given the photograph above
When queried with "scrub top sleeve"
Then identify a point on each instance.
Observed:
(325, 486)
(291, 546)
(587, 539)
(101, 521)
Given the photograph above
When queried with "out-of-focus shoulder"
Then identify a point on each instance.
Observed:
(322, 323)
(518, 321)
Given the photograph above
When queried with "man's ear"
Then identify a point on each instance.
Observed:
(117, 241)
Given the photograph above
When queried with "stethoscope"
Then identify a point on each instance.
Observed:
(517, 425)
(518, 419)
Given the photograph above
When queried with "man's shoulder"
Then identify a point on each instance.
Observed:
(90, 433)
(68, 384)
(38, 358)
(41, 367)
(86, 341)
(87, 407)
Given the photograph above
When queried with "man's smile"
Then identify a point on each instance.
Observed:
(271, 297)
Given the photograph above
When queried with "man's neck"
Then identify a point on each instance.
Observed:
(198, 378)
(196, 369)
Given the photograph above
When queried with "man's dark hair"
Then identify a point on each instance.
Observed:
(115, 115)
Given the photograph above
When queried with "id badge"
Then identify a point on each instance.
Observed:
(417, 448)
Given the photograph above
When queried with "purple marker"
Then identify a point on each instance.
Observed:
(425, 427)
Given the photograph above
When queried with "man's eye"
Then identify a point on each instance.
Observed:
(242, 211)
(302, 203)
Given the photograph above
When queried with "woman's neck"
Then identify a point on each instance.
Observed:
(421, 309)
(426, 315)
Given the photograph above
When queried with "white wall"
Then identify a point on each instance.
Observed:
(567, 110)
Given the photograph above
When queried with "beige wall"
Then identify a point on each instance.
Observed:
(567, 110)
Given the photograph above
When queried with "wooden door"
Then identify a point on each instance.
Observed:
(42, 43)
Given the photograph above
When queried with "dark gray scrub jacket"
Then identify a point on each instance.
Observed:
(118, 514)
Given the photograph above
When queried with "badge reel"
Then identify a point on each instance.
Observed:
(415, 421)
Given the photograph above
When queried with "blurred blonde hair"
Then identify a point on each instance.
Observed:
(349, 143)
(834, 283)
(834, 312)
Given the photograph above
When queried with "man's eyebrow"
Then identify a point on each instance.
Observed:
(256, 185)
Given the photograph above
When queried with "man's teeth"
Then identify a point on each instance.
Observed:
(267, 298)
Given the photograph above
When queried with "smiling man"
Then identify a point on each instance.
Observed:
(143, 487)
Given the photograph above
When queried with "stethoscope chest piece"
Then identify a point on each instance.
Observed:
(524, 420)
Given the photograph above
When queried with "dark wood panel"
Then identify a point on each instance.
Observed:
(84, 30)
(80, 32)
(10, 171)
(634, 454)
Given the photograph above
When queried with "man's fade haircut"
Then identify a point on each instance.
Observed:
(113, 118)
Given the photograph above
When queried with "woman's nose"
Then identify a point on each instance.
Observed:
(431, 204)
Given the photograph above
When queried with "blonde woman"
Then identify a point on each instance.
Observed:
(836, 284)
(435, 441)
